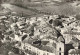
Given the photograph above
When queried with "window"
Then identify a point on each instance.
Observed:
(59, 51)
(47, 54)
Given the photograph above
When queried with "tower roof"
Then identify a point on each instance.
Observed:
(61, 39)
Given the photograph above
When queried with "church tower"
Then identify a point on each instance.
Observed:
(60, 46)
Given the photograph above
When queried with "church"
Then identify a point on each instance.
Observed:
(71, 48)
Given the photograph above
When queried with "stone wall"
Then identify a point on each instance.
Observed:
(36, 50)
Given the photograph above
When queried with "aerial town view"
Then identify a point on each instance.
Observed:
(39, 27)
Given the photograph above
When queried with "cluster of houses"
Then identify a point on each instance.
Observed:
(44, 35)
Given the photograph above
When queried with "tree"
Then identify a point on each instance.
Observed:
(57, 23)
(77, 17)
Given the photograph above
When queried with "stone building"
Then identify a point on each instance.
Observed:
(67, 48)
(62, 48)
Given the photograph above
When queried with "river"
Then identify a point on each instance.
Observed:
(20, 10)
(65, 9)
